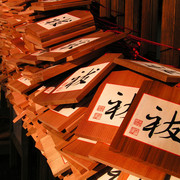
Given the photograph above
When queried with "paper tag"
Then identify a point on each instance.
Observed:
(113, 104)
(81, 78)
(87, 140)
(66, 110)
(64, 160)
(24, 81)
(74, 44)
(112, 174)
(38, 53)
(156, 122)
(160, 68)
(57, 21)
(49, 90)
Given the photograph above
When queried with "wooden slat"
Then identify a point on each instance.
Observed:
(170, 32)
(149, 27)
(132, 16)
(155, 70)
(62, 116)
(47, 6)
(101, 153)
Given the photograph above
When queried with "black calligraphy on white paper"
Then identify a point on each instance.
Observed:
(74, 44)
(81, 78)
(58, 21)
(113, 104)
(156, 122)
(160, 68)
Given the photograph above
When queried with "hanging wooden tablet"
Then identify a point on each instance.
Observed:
(60, 28)
(102, 154)
(80, 83)
(80, 148)
(73, 164)
(48, 5)
(55, 70)
(32, 58)
(56, 161)
(110, 105)
(150, 130)
(85, 163)
(96, 46)
(63, 115)
(21, 85)
(88, 43)
(155, 70)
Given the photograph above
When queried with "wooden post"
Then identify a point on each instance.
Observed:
(149, 27)
(132, 14)
(170, 32)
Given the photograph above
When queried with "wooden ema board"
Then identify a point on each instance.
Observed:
(55, 160)
(31, 58)
(62, 116)
(102, 154)
(86, 175)
(21, 85)
(85, 163)
(50, 5)
(88, 43)
(60, 28)
(80, 83)
(80, 148)
(154, 70)
(55, 70)
(150, 130)
(109, 106)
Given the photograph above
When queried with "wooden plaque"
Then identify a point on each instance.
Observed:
(86, 43)
(63, 115)
(55, 5)
(21, 85)
(102, 154)
(155, 70)
(80, 148)
(58, 69)
(109, 106)
(50, 31)
(80, 83)
(150, 130)
(32, 58)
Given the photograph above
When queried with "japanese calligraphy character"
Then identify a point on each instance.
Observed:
(115, 108)
(151, 127)
(172, 135)
(114, 174)
(56, 21)
(81, 79)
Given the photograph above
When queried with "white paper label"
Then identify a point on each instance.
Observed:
(74, 44)
(81, 78)
(112, 174)
(38, 53)
(87, 140)
(49, 90)
(64, 160)
(156, 122)
(66, 110)
(160, 68)
(24, 81)
(57, 21)
(113, 104)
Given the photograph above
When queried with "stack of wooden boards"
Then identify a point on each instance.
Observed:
(91, 113)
